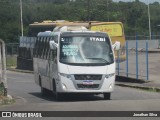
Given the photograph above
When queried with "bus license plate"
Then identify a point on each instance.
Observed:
(88, 82)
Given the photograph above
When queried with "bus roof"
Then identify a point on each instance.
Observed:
(50, 23)
(46, 33)
(49, 33)
(58, 23)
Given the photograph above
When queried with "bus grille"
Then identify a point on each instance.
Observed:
(88, 86)
(88, 77)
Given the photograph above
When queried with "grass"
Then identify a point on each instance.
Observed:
(4, 100)
(11, 61)
(148, 89)
(1, 89)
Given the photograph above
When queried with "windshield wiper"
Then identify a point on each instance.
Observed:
(99, 59)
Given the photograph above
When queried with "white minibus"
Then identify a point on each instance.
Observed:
(75, 62)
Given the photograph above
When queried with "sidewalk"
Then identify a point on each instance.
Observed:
(151, 50)
(140, 84)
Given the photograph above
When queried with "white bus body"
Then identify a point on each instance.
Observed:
(75, 62)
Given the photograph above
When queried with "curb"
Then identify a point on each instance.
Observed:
(152, 89)
(18, 70)
(150, 51)
(128, 82)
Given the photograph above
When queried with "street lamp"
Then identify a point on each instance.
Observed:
(21, 18)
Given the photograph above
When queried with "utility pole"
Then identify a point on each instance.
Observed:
(3, 76)
(89, 11)
(149, 21)
(21, 18)
(108, 10)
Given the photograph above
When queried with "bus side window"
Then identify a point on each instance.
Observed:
(35, 48)
(53, 53)
(56, 39)
(41, 50)
(40, 47)
(44, 50)
(47, 48)
(43, 47)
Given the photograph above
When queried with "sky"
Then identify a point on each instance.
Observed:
(146, 1)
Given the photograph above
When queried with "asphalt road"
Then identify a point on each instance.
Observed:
(27, 93)
(29, 98)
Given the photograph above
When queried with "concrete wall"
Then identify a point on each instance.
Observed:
(152, 44)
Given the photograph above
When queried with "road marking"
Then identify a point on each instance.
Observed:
(24, 100)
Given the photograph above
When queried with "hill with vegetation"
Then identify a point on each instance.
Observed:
(133, 14)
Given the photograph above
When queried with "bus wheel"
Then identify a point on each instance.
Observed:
(107, 96)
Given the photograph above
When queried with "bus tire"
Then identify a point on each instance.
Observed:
(107, 96)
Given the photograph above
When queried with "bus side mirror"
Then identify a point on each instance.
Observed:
(53, 45)
(116, 45)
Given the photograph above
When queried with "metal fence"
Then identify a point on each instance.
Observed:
(137, 61)
(11, 54)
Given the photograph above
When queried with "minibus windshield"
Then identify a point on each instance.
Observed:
(85, 50)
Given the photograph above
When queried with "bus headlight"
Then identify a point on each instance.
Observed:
(65, 75)
(109, 75)
(110, 86)
(64, 86)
